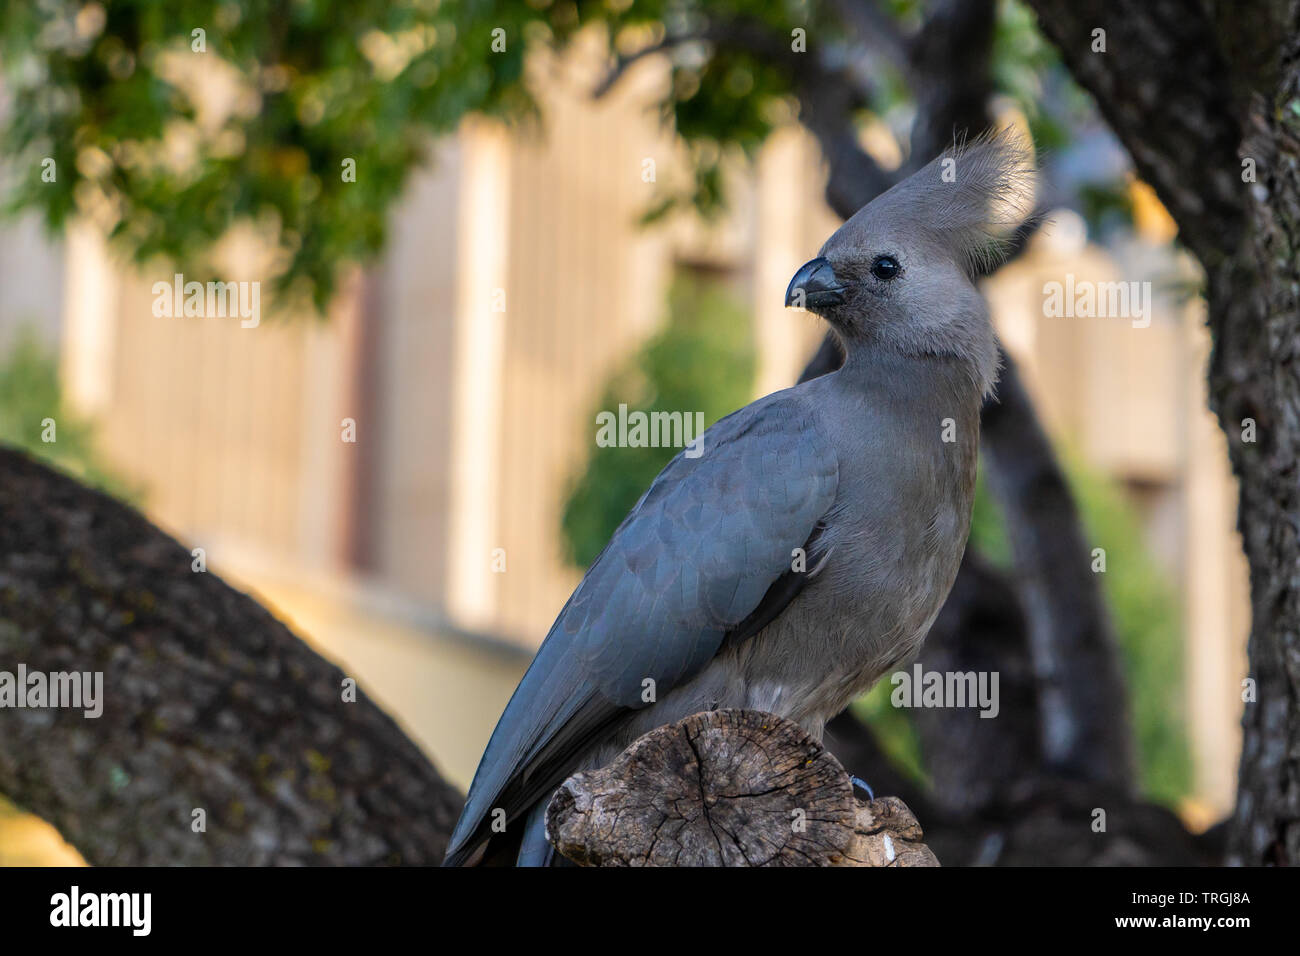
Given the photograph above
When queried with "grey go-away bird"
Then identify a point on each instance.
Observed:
(808, 549)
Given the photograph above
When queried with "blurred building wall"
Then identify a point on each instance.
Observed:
(234, 433)
(31, 283)
(31, 269)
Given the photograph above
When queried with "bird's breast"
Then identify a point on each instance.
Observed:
(895, 540)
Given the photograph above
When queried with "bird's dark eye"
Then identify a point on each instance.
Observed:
(885, 268)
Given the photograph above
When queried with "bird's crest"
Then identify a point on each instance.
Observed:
(972, 197)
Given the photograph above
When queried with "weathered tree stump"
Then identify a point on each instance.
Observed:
(729, 788)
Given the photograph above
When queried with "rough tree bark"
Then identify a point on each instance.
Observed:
(1199, 93)
(729, 788)
(209, 703)
(743, 788)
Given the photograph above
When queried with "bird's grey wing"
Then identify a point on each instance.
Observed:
(704, 554)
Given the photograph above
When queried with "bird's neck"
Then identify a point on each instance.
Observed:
(939, 380)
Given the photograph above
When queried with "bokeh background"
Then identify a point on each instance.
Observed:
(513, 275)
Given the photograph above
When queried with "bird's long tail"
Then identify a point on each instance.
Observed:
(535, 850)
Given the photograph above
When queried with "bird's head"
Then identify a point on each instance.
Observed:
(900, 273)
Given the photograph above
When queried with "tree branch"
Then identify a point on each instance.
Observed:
(1085, 729)
(209, 704)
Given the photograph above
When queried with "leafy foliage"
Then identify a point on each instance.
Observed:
(172, 137)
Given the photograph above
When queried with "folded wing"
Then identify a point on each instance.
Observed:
(705, 553)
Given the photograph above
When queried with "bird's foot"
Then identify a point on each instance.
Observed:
(862, 785)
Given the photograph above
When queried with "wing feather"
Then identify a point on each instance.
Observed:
(701, 559)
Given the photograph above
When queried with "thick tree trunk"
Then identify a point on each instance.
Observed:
(209, 704)
(1256, 374)
(1206, 97)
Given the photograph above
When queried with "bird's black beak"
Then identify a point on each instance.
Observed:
(814, 285)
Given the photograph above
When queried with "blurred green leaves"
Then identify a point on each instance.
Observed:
(169, 144)
(29, 395)
(1145, 609)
